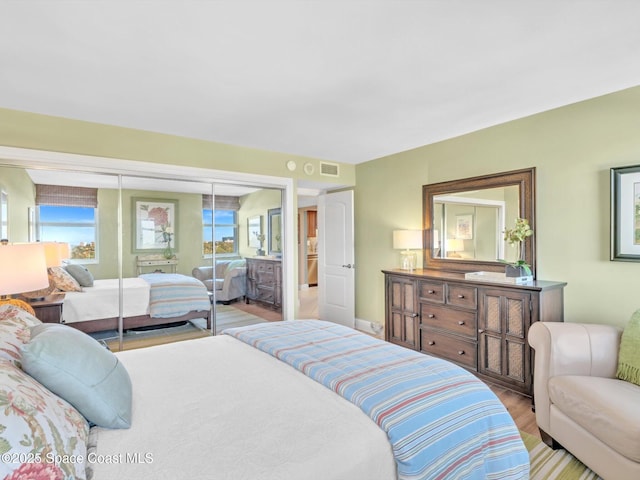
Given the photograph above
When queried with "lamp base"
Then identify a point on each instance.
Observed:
(18, 303)
(407, 260)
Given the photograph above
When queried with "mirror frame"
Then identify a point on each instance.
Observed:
(271, 213)
(524, 179)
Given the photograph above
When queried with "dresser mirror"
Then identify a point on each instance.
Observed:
(464, 221)
(275, 231)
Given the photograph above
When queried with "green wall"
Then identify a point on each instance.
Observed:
(42, 132)
(572, 148)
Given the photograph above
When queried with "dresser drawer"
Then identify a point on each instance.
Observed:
(456, 321)
(449, 347)
(462, 296)
(431, 291)
(265, 267)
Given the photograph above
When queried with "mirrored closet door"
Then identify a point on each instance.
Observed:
(144, 247)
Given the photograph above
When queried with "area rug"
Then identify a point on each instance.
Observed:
(549, 464)
(226, 317)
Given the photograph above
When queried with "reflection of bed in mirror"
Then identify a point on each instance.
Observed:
(148, 300)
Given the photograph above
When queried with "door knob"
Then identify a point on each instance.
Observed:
(348, 265)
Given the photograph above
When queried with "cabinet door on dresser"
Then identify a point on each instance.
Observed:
(277, 288)
(402, 315)
(503, 322)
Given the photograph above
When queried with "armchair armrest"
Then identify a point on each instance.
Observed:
(235, 272)
(570, 349)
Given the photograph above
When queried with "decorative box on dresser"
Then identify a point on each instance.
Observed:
(264, 281)
(480, 325)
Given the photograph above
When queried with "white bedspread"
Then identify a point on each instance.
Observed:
(101, 300)
(216, 408)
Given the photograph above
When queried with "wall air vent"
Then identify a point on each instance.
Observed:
(329, 169)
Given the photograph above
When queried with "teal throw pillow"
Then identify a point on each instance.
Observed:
(81, 274)
(77, 368)
(629, 355)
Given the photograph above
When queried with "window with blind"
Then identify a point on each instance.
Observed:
(225, 220)
(68, 214)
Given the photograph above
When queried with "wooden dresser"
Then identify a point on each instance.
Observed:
(264, 281)
(481, 326)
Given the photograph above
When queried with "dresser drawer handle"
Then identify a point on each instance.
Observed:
(431, 342)
(460, 352)
(431, 315)
(414, 315)
(460, 296)
(460, 322)
(480, 330)
(431, 292)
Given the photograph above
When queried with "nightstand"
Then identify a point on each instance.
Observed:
(49, 309)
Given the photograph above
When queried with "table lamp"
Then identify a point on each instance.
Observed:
(454, 245)
(22, 268)
(407, 240)
(54, 254)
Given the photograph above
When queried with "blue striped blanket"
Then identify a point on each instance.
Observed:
(441, 421)
(172, 294)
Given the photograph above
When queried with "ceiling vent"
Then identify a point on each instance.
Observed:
(329, 169)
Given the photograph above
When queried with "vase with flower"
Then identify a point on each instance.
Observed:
(516, 237)
(260, 237)
(167, 234)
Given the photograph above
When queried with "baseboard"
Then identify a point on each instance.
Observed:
(371, 328)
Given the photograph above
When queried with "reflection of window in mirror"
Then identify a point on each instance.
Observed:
(4, 214)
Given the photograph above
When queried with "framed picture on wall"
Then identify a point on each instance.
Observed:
(625, 213)
(154, 224)
(464, 227)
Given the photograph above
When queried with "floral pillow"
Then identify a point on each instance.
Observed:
(63, 281)
(36, 426)
(15, 325)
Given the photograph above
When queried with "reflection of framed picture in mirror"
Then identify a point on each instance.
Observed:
(154, 224)
(464, 227)
(254, 228)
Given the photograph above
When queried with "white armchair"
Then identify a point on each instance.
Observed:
(580, 403)
(228, 279)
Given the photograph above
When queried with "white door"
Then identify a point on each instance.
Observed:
(336, 285)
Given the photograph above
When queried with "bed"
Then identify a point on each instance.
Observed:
(292, 400)
(148, 300)
(257, 417)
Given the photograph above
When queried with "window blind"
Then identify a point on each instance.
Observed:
(223, 202)
(62, 196)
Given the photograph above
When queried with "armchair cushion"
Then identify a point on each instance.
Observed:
(629, 356)
(605, 407)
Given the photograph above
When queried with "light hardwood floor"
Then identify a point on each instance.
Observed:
(519, 407)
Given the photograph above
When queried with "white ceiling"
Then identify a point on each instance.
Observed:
(345, 81)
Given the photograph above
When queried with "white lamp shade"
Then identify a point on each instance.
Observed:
(455, 245)
(55, 252)
(407, 239)
(23, 268)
